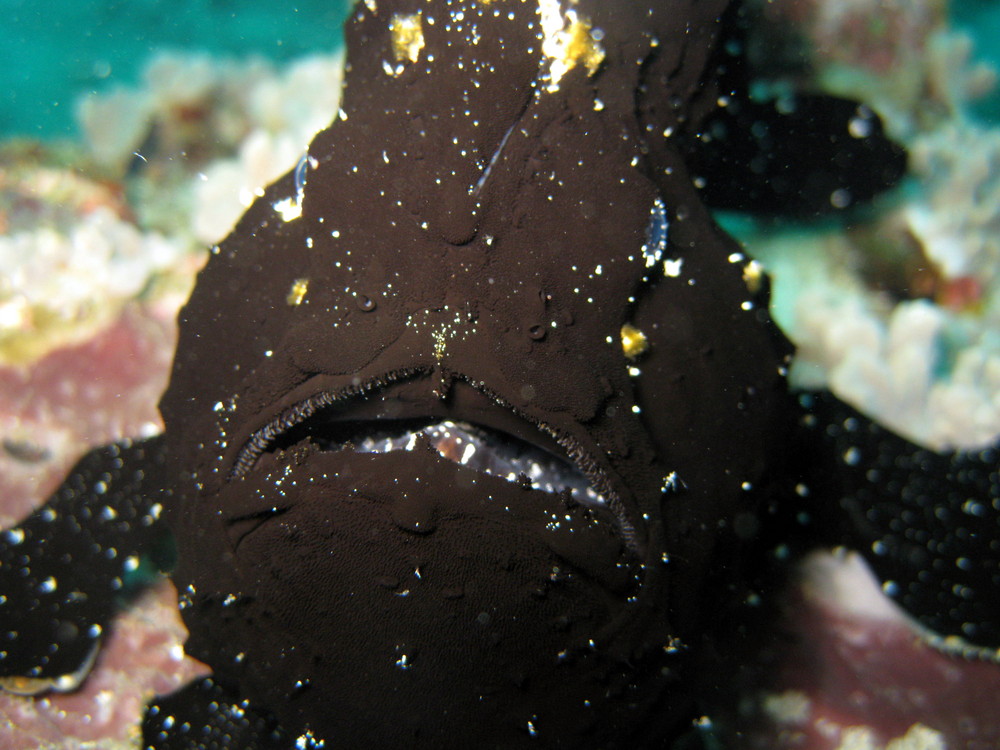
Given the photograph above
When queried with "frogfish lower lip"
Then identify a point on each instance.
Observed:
(473, 427)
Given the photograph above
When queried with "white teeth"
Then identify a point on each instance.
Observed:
(468, 453)
(483, 451)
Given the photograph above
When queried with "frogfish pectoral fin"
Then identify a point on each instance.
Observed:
(68, 567)
(928, 523)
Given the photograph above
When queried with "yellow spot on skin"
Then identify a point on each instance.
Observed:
(634, 342)
(440, 343)
(298, 292)
(568, 40)
(753, 276)
(582, 46)
(407, 36)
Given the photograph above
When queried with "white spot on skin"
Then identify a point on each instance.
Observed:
(468, 453)
(672, 267)
(14, 536)
(288, 209)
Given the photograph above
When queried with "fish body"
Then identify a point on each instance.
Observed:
(475, 265)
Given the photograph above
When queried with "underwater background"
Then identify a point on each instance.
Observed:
(50, 57)
(133, 134)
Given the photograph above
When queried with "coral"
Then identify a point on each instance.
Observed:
(877, 35)
(927, 371)
(190, 149)
(899, 56)
(284, 113)
(897, 312)
(187, 106)
(60, 287)
(99, 245)
(72, 255)
(851, 670)
(928, 365)
(887, 366)
(956, 219)
(77, 397)
(208, 133)
(142, 657)
(50, 411)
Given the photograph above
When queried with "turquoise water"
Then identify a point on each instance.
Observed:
(53, 51)
(981, 19)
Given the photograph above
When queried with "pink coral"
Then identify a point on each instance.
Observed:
(850, 667)
(50, 412)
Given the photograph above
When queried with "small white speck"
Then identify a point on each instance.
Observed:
(14, 536)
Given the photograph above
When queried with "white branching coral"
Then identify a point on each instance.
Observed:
(177, 160)
(957, 219)
(213, 132)
(60, 285)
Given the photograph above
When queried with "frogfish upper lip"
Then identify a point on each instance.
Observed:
(472, 426)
